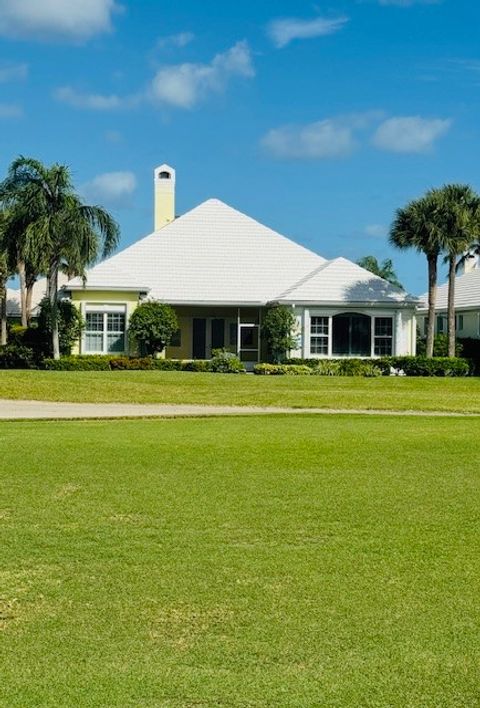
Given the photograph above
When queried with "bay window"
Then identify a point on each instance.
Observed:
(350, 334)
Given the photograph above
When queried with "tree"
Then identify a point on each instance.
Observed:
(384, 270)
(458, 219)
(278, 330)
(70, 326)
(4, 273)
(152, 326)
(416, 227)
(66, 232)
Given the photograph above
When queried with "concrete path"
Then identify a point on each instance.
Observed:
(51, 410)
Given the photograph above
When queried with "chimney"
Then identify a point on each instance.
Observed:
(164, 185)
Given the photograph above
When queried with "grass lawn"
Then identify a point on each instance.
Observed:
(295, 391)
(287, 561)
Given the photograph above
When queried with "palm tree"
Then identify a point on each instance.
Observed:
(384, 270)
(416, 227)
(29, 269)
(458, 217)
(67, 233)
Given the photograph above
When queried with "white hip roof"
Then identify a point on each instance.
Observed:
(216, 254)
(467, 293)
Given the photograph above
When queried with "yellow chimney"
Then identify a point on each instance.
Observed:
(164, 196)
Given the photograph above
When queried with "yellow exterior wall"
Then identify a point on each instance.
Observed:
(81, 298)
(185, 316)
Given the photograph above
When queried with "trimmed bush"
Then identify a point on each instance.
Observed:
(282, 370)
(411, 365)
(89, 362)
(195, 365)
(224, 362)
(16, 356)
(152, 325)
(436, 366)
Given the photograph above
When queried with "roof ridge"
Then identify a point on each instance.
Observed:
(306, 278)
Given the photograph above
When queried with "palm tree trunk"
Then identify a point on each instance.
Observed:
(52, 288)
(451, 305)
(28, 297)
(432, 297)
(23, 293)
(3, 317)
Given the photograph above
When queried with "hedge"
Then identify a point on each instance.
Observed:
(411, 365)
(95, 362)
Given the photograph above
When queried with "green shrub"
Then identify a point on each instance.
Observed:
(411, 365)
(281, 370)
(196, 365)
(422, 366)
(89, 362)
(277, 329)
(152, 326)
(70, 326)
(224, 362)
(125, 363)
(17, 356)
(440, 346)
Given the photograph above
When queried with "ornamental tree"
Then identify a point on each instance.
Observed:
(152, 326)
(278, 330)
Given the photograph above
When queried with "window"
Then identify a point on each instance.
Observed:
(459, 322)
(176, 340)
(104, 332)
(440, 324)
(352, 335)
(233, 334)
(319, 335)
(383, 345)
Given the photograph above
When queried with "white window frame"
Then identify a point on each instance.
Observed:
(330, 315)
(323, 336)
(104, 310)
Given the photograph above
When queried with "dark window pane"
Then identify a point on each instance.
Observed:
(383, 346)
(383, 326)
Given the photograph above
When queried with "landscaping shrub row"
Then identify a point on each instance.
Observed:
(326, 367)
(410, 365)
(222, 362)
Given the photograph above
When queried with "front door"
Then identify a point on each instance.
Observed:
(199, 332)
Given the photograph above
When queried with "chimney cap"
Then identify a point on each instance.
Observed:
(164, 172)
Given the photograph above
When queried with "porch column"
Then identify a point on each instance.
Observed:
(398, 333)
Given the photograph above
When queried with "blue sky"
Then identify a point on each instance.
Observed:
(317, 118)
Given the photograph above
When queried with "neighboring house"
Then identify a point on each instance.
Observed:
(467, 303)
(39, 292)
(220, 269)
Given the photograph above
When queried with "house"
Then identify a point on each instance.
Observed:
(220, 270)
(467, 303)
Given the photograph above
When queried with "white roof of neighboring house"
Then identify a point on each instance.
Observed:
(467, 292)
(216, 254)
(39, 292)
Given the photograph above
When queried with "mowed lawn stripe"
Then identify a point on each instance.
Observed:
(385, 393)
(240, 562)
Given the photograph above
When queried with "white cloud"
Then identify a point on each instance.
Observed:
(111, 188)
(410, 134)
(10, 110)
(323, 139)
(13, 72)
(376, 230)
(284, 30)
(328, 138)
(175, 40)
(184, 85)
(73, 20)
(90, 101)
